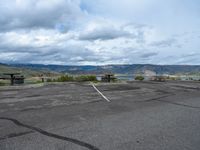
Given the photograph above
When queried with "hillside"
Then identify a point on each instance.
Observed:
(26, 71)
(117, 69)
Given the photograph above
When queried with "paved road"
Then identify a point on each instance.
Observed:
(140, 116)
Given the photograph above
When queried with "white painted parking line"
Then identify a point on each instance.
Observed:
(100, 93)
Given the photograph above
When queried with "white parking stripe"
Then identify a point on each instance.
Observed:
(100, 93)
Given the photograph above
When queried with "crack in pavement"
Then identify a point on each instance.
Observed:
(56, 136)
(13, 135)
(174, 103)
(158, 98)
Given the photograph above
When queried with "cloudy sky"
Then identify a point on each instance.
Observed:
(99, 32)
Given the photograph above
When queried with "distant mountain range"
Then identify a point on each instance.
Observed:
(116, 69)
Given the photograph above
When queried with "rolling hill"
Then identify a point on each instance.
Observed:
(116, 69)
(26, 71)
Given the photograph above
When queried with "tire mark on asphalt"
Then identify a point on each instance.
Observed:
(56, 136)
(13, 135)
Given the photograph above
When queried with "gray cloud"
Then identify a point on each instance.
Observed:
(188, 60)
(192, 54)
(113, 31)
(103, 34)
(69, 55)
(164, 43)
(26, 14)
(148, 55)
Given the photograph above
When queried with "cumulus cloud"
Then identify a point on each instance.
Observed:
(103, 34)
(106, 30)
(26, 14)
(83, 32)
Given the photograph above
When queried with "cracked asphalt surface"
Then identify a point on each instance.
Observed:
(73, 116)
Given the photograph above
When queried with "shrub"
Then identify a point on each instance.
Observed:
(49, 80)
(2, 84)
(38, 82)
(139, 78)
(65, 78)
(172, 78)
(83, 78)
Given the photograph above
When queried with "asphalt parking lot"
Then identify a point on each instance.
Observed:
(74, 116)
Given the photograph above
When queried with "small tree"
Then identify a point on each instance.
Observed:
(139, 78)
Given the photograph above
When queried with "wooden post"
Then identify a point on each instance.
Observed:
(109, 77)
(12, 79)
